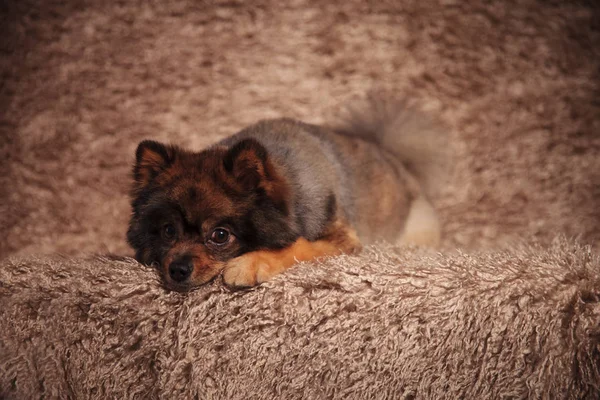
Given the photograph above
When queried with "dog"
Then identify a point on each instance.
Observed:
(283, 191)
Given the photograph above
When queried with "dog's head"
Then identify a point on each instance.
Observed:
(192, 212)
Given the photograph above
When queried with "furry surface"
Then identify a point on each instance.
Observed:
(84, 81)
(392, 323)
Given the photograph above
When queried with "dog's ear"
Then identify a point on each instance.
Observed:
(150, 159)
(249, 164)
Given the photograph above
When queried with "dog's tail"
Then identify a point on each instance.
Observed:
(420, 142)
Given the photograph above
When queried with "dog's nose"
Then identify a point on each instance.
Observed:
(181, 269)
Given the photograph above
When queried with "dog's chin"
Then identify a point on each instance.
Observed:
(181, 287)
(190, 284)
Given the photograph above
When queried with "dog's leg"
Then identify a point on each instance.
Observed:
(259, 266)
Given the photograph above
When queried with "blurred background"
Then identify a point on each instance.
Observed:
(83, 81)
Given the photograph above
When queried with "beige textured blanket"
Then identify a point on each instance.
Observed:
(517, 82)
(392, 323)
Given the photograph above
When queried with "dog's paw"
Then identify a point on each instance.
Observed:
(251, 269)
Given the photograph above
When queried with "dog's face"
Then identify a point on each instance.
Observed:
(192, 212)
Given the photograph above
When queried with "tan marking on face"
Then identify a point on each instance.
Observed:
(205, 267)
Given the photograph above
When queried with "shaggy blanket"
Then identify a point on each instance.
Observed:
(516, 81)
(391, 323)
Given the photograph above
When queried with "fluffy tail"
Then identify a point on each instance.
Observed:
(420, 142)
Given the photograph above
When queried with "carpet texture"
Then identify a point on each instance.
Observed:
(518, 84)
(391, 323)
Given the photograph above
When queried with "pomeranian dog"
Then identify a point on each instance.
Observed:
(283, 191)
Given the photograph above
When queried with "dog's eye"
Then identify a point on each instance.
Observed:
(220, 236)
(169, 231)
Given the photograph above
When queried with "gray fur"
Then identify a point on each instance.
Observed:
(352, 166)
(308, 162)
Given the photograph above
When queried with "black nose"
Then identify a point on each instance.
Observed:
(181, 269)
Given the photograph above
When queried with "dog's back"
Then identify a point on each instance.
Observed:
(376, 171)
